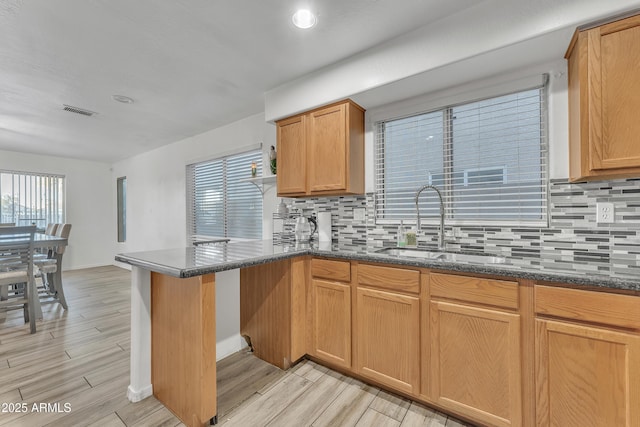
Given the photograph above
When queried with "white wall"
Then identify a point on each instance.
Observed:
(493, 36)
(89, 204)
(156, 187)
(156, 206)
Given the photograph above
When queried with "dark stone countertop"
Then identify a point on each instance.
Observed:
(199, 260)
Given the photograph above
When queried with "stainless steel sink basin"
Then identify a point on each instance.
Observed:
(444, 256)
(413, 253)
(475, 258)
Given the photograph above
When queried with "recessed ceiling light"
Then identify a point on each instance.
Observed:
(122, 98)
(304, 19)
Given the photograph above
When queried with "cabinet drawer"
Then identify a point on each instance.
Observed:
(589, 306)
(397, 279)
(331, 269)
(499, 293)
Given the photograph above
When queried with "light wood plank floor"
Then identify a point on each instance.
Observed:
(80, 358)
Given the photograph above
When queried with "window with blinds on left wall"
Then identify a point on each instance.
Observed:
(31, 198)
(220, 202)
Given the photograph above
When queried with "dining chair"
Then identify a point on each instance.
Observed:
(16, 271)
(51, 229)
(50, 269)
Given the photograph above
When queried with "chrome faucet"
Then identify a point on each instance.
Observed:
(441, 234)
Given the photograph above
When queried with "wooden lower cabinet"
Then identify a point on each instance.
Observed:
(183, 346)
(272, 310)
(475, 362)
(388, 338)
(331, 322)
(482, 348)
(586, 376)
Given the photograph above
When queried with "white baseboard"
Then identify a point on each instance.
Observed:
(122, 265)
(137, 396)
(229, 346)
(82, 267)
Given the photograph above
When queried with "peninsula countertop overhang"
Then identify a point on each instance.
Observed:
(200, 260)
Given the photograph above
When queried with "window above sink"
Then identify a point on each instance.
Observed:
(488, 156)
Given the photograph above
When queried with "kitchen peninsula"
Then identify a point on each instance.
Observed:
(522, 312)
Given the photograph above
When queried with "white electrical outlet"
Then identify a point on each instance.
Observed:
(605, 213)
(359, 214)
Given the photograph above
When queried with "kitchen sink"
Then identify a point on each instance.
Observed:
(413, 253)
(444, 256)
(475, 258)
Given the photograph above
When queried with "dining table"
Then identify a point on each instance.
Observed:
(43, 243)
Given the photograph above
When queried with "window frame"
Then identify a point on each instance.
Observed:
(424, 105)
(190, 191)
(121, 206)
(60, 194)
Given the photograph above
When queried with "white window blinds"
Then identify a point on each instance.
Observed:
(488, 157)
(31, 198)
(219, 202)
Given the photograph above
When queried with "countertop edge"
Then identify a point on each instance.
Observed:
(605, 283)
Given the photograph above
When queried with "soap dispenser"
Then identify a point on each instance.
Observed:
(402, 236)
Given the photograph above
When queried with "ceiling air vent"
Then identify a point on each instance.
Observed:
(78, 110)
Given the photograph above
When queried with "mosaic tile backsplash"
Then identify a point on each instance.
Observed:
(573, 236)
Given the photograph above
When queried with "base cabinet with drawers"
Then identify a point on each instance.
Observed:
(331, 308)
(475, 348)
(491, 350)
(587, 358)
(388, 326)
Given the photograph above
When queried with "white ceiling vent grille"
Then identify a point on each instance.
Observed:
(78, 110)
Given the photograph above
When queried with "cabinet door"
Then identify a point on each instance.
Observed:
(332, 322)
(475, 362)
(327, 149)
(586, 376)
(388, 337)
(292, 159)
(616, 52)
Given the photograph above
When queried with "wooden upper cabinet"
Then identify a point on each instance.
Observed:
(321, 152)
(604, 83)
(327, 149)
(292, 159)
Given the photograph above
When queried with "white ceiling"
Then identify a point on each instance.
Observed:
(190, 65)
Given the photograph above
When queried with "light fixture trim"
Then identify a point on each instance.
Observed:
(304, 19)
(123, 99)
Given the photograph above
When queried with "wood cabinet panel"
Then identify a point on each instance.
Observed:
(299, 319)
(475, 363)
(331, 269)
(499, 293)
(321, 152)
(292, 156)
(332, 322)
(395, 279)
(620, 62)
(586, 376)
(588, 306)
(265, 311)
(183, 346)
(388, 336)
(327, 150)
(604, 134)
